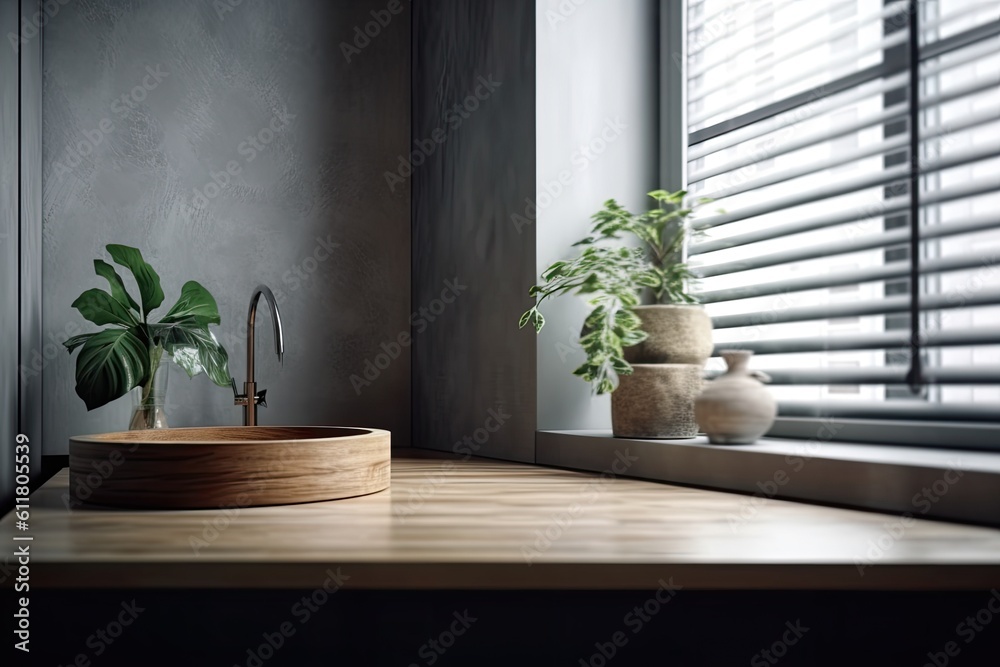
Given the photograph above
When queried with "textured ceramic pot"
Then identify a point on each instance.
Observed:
(678, 334)
(656, 401)
(735, 408)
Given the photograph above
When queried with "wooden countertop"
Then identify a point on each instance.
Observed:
(484, 524)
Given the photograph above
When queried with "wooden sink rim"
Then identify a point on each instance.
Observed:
(230, 435)
(228, 466)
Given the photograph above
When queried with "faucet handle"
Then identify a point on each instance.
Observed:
(238, 398)
(262, 398)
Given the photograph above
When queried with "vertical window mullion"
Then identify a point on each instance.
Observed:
(914, 377)
(902, 321)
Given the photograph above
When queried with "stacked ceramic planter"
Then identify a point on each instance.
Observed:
(657, 400)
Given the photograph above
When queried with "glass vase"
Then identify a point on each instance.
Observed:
(149, 400)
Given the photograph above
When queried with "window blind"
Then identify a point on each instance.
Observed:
(853, 151)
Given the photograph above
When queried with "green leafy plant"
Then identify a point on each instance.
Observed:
(612, 280)
(127, 354)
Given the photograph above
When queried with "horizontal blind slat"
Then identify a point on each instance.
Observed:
(888, 115)
(858, 243)
(962, 40)
(887, 75)
(853, 243)
(894, 113)
(820, 105)
(846, 186)
(857, 214)
(966, 375)
(887, 271)
(888, 340)
(847, 157)
(958, 157)
(883, 306)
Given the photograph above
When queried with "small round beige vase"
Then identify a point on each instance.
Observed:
(678, 334)
(735, 408)
(656, 401)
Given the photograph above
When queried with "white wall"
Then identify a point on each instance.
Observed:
(596, 75)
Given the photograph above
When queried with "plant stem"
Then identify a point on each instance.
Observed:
(155, 356)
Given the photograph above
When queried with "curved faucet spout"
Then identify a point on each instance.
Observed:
(279, 342)
(250, 398)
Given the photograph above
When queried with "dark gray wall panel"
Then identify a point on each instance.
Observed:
(167, 92)
(471, 358)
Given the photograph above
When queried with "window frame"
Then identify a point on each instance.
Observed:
(674, 142)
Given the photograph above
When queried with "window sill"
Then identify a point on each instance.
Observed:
(950, 484)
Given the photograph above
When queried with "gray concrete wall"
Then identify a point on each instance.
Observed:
(9, 183)
(474, 119)
(597, 124)
(144, 101)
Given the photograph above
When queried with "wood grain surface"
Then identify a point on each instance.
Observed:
(448, 523)
(469, 360)
(227, 467)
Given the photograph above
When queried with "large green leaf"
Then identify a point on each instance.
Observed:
(118, 290)
(195, 303)
(100, 308)
(110, 364)
(150, 291)
(195, 349)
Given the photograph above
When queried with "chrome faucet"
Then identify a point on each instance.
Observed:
(250, 386)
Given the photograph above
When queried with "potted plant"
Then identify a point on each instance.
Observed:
(132, 352)
(650, 356)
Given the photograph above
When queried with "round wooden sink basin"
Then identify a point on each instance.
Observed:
(227, 466)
